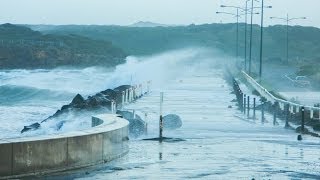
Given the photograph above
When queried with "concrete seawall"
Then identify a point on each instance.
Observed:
(52, 153)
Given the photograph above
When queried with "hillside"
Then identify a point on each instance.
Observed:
(304, 41)
(21, 47)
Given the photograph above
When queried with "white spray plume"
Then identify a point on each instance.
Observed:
(163, 67)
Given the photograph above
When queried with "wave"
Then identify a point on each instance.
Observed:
(14, 94)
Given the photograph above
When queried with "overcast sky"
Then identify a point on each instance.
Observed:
(125, 12)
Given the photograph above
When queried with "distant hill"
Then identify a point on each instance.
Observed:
(21, 47)
(147, 24)
(304, 43)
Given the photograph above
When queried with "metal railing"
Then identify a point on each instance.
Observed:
(282, 103)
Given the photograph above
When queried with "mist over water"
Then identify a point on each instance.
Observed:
(29, 96)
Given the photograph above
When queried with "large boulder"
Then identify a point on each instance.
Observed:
(171, 121)
(33, 126)
(136, 124)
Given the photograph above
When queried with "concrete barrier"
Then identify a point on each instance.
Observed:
(53, 153)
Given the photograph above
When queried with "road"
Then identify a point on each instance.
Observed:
(219, 142)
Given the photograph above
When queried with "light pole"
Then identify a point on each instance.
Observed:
(245, 36)
(245, 10)
(250, 47)
(288, 20)
(261, 38)
(237, 34)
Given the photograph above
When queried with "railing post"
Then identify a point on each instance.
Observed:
(254, 108)
(248, 104)
(146, 125)
(122, 100)
(241, 101)
(287, 115)
(127, 95)
(244, 104)
(161, 120)
(302, 119)
(262, 112)
(274, 113)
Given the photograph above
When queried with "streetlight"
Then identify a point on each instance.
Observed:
(251, 25)
(245, 36)
(261, 38)
(246, 13)
(287, 20)
(237, 36)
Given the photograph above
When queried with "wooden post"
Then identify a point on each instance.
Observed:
(248, 104)
(146, 125)
(123, 99)
(241, 101)
(161, 120)
(302, 119)
(274, 113)
(244, 104)
(254, 108)
(287, 115)
(262, 112)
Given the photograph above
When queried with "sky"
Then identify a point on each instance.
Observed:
(126, 12)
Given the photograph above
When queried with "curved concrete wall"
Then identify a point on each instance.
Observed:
(52, 153)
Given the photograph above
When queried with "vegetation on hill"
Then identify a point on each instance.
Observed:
(303, 41)
(21, 47)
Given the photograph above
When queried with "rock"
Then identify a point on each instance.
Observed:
(60, 124)
(316, 127)
(92, 102)
(230, 107)
(97, 102)
(172, 121)
(64, 107)
(78, 99)
(136, 124)
(299, 130)
(109, 93)
(33, 126)
(122, 88)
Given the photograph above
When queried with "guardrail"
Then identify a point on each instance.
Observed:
(282, 103)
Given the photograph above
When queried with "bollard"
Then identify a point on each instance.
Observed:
(146, 125)
(302, 119)
(244, 104)
(134, 113)
(112, 107)
(241, 101)
(287, 115)
(148, 87)
(123, 100)
(127, 95)
(130, 95)
(274, 113)
(141, 91)
(161, 120)
(248, 104)
(262, 112)
(254, 108)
